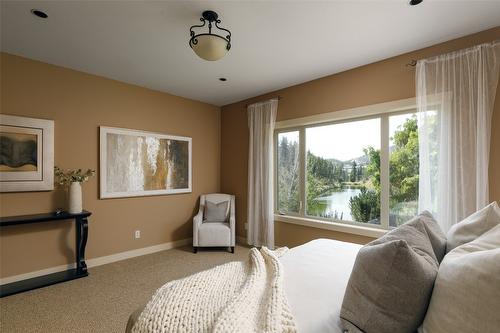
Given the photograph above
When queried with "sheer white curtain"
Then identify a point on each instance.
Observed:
(455, 96)
(260, 216)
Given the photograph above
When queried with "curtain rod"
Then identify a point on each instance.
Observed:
(412, 63)
(494, 43)
(277, 97)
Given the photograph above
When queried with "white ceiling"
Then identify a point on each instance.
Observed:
(275, 44)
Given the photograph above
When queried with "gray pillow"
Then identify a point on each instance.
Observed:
(392, 279)
(216, 212)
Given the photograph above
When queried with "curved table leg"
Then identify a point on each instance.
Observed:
(81, 241)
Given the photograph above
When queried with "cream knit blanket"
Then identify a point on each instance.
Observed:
(234, 297)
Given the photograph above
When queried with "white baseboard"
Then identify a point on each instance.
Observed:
(138, 252)
(29, 275)
(99, 260)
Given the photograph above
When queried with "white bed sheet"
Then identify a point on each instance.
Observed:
(316, 275)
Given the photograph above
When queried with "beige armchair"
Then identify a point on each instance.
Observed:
(219, 229)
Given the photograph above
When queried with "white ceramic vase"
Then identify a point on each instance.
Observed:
(75, 198)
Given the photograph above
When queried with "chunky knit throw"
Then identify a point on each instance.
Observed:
(234, 297)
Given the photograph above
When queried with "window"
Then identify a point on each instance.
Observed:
(359, 171)
(288, 172)
(338, 180)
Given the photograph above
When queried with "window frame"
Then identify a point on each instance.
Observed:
(382, 111)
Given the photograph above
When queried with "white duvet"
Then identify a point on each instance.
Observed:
(316, 275)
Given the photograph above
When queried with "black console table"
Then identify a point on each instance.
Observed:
(81, 222)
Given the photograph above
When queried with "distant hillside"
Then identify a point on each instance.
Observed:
(363, 160)
(334, 160)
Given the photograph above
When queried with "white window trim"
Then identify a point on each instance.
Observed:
(333, 226)
(383, 110)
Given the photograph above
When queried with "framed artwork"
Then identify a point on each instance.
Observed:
(137, 163)
(26, 154)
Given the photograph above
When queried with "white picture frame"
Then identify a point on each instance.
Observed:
(14, 174)
(137, 174)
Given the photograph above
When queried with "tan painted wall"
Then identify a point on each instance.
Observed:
(383, 81)
(79, 103)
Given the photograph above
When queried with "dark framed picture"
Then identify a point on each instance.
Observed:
(26, 154)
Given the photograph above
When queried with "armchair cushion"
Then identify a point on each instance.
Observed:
(214, 234)
(216, 212)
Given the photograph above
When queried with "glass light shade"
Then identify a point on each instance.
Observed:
(210, 47)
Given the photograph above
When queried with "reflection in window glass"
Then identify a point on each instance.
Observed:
(288, 172)
(343, 171)
(403, 168)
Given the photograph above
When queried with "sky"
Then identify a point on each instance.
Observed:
(345, 141)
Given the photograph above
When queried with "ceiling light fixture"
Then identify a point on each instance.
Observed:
(210, 46)
(39, 13)
(222, 79)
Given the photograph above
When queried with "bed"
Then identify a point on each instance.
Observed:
(316, 275)
(411, 278)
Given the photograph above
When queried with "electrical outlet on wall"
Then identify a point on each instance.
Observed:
(137, 234)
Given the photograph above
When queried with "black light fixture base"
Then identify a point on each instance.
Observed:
(414, 2)
(210, 15)
(39, 13)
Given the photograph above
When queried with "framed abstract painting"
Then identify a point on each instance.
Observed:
(26, 154)
(137, 163)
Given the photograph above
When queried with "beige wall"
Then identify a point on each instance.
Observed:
(383, 81)
(80, 103)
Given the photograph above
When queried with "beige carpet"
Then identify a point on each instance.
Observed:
(103, 301)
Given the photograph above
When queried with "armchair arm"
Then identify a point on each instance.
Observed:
(197, 220)
(232, 221)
